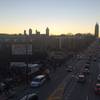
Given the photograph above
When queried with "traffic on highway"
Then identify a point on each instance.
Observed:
(76, 79)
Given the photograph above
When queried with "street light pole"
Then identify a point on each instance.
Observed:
(26, 61)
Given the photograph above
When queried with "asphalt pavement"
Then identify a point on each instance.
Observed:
(61, 79)
(79, 91)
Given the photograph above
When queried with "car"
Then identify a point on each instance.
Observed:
(32, 96)
(38, 80)
(87, 65)
(2, 86)
(69, 68)
(81, 78)
(94, 59)
(86, 71)
(98, 77)
(97, 88)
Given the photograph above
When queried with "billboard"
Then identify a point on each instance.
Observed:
(22, 49)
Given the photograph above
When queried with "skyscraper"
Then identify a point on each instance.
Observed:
(47, 31)
(96, 30)
(30, 31)
(24, 32)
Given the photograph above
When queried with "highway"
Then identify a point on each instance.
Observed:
(72, 90)
(47, 89)
(85, 91)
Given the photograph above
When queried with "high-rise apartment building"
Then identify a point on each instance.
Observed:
(96, 30)
(47, 31)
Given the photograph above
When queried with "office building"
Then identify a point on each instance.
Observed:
(97, 30)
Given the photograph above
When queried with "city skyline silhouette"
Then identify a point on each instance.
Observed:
(61, 16)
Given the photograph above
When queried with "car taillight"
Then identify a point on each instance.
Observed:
(98, 89)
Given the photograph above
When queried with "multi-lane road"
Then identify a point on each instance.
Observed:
(72, 89)
(86, 91)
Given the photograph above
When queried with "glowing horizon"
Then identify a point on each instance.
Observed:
(53, 29)
(61, 16)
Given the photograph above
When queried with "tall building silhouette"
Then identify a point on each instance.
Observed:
(96, 30)
(47, 31)
(37, 32)
(25, 32)
(30, 31)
